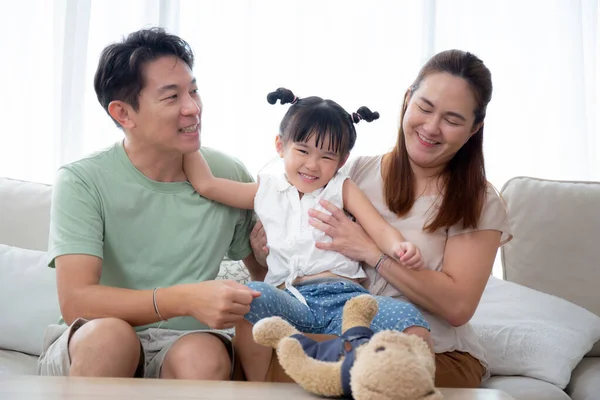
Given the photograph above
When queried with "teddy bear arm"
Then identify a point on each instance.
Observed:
(318, 377)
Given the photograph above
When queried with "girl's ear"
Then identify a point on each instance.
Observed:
(121, 112)
(279, 145)
(343, 161)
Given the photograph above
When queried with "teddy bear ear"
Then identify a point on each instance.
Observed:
(432, 395)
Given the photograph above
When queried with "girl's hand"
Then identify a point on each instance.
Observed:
(348, 237)
(409, 256)
(258, 241)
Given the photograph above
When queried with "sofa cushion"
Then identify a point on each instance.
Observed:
(28, 299)
(534, 334)
(556, 226)
(25, 213)
(522, 388)
(595, 351)
(585, 381)
(15, 363)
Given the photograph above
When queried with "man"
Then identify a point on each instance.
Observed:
(135, 248)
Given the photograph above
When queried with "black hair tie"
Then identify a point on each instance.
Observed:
(364, 113)
(283, 95)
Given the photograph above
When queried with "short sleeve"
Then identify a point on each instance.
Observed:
(494, 216)
(76, 222)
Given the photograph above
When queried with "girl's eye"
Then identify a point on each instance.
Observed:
(328, 158)
(171, 97)
(302, 151)
(195, 91)
(452, 123)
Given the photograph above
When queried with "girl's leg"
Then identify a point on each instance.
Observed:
(255, 358)
(401, 316)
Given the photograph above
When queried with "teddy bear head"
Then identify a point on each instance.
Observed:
(394, 366)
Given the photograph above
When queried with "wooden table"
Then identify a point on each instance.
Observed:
(61, 388)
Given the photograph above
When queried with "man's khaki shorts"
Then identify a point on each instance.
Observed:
(155, 343)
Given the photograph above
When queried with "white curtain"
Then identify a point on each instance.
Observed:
(543, 120)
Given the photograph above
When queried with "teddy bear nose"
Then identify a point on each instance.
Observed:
(380, 348)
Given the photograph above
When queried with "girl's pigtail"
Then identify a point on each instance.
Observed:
(363, 113)
(283, 95)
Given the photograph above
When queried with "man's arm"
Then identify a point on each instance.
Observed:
(80, 295)
(219, 304)
(76, 250)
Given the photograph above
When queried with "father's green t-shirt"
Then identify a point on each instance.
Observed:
(148, 234)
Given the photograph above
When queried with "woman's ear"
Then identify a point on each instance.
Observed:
(279, 145)
(121, 112)
(407, 95)
(476, 128)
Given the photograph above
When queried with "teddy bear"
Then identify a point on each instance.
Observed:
(359, 364)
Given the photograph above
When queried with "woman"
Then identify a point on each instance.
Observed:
(432, 187)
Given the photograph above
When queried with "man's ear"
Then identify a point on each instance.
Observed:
(279, 145)
(121, 112)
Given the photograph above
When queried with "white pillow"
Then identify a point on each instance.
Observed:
(530, 333)
(28, 299)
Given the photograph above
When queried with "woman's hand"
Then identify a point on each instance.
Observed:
(258, 241)
(348, 237)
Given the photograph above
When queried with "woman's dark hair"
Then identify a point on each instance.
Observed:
(465, 182)
(119, 73)
(316, 116)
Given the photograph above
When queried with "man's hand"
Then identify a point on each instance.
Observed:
(220, 304)
(409, 255)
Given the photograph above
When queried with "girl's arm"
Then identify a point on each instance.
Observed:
(452, 293)
(229, 192)
(387, 238)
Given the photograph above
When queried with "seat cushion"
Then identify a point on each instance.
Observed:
(585, 380)
(521, 388)
(14, 363)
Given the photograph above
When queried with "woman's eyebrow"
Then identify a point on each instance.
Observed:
(450, 113)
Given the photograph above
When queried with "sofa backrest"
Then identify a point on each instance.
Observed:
(556, 244)
(24, 214)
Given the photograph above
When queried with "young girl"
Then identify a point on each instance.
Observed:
(305, 285)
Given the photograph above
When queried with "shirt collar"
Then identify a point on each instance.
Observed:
(282, 183)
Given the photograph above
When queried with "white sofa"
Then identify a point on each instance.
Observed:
(555, 250)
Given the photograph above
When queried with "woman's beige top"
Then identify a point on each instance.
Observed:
(366, 172)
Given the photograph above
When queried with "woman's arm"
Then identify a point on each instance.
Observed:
(453, 293)
(387, 238)
(231, 193)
